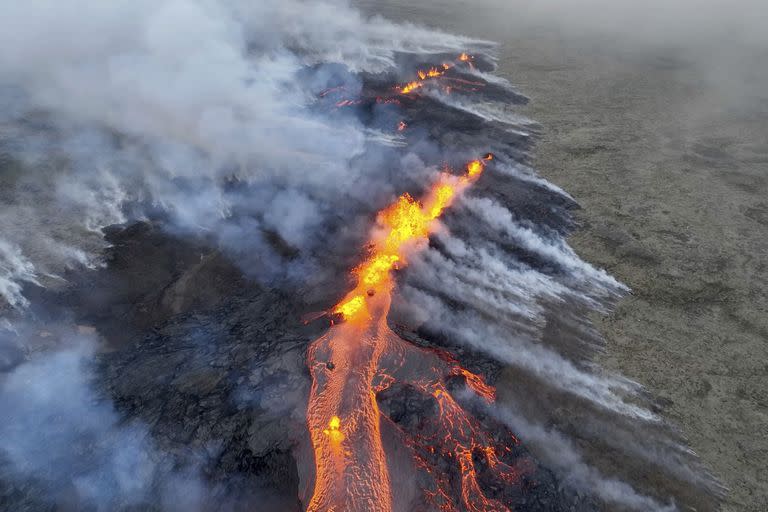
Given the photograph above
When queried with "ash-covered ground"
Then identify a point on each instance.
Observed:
(180, 210)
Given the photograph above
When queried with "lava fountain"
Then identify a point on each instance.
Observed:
(360, 357)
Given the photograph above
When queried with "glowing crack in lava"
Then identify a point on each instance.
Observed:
(360, 357)
(438, 75)
(439, 72)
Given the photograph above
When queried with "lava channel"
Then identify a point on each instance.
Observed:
(360, 357)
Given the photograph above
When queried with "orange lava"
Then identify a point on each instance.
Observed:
(361, 357)
(351, 472)
(402, 224)
(347, 103)
(434, 72)
(423, 76)
(466, 58)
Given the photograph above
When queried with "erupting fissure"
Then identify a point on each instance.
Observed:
(401, 224)
(360, 359)
(438, 74)
(435, 72)
(360, 356)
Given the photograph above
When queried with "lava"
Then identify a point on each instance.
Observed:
(351, 472)
(423, 76)
(348, 103)
(464, 57)
(401, 224)
(434, 72)
(361, 357)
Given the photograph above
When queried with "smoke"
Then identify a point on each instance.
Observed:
(58, 431)
(563, 457)
(14, 267)
(208, 117)
(64, 442)
(474, 331)
(554, 250)
(507, 287)
(205, 110)
(688, 24)
(190, 105)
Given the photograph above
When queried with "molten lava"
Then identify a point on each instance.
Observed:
(424, 75)
(466, 58)
(403, 223)
(361, 357)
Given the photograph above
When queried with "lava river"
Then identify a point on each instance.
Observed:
(361, 356)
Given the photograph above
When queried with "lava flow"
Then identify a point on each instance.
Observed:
(360, 357)
(436, 72)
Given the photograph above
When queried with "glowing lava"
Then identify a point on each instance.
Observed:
(401, 224)
(424, 75)
(360, 357)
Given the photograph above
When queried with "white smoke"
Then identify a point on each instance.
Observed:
(555, 250)
(59, 431)
(475, 331)
(161, 101)
(564, 458)
(524, 173)
(14, 268)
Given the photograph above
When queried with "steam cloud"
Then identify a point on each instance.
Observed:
(58, 431)
(163, 103)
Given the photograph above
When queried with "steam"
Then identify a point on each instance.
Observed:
(57, 430)
(557, 451)
(473, 330)
(164, 103)
(555, 250)
(14, 267)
